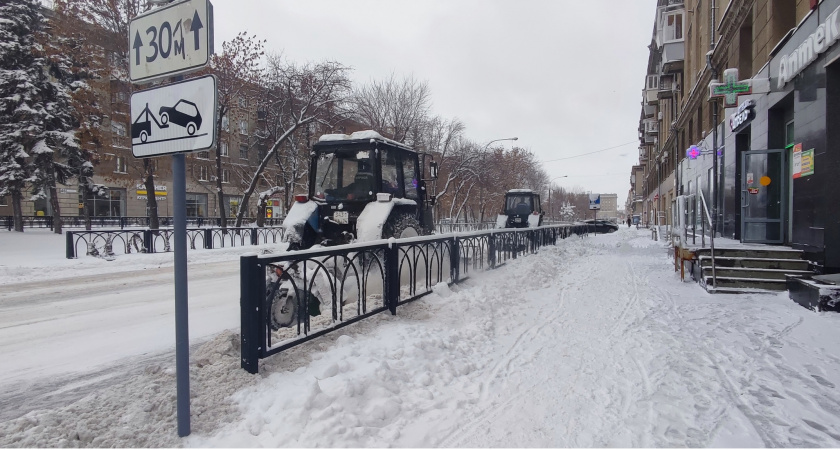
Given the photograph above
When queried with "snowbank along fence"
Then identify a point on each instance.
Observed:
(121, 222)
(291, 298)
(115, 242)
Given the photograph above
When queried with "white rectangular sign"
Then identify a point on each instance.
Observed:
(594, 201)
(171, 40)
(175, 118)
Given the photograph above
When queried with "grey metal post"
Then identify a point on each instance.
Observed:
(182, 335)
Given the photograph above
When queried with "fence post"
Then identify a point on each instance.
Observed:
(254, 235)
(50, 222)
(208, 238)
(491, 250)
(147, 241)
(251, 290)
(455, 260)
(69, 248)
(392, 277)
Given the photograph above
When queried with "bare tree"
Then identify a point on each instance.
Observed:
(393, 107)
(305, 94)
(238, 75)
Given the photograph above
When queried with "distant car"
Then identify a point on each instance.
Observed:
(600, 226)
(184, 113)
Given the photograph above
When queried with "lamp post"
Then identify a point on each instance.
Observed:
(481, 182)
(551, 211)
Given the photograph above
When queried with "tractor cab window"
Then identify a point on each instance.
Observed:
(518, 204)
(345, 174)
(410, 178)
(390, 184)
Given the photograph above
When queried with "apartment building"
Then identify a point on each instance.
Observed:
(773, 141)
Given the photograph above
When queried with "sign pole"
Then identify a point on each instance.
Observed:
(182, 335)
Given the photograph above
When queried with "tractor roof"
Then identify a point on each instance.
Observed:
(520, 191)
(359, 137)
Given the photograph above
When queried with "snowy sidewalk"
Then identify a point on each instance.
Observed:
(592, 343)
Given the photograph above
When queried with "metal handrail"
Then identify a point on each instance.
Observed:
(711, 238)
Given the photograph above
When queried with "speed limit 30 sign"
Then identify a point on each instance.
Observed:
(171, 40)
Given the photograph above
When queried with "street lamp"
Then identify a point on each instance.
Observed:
(481, 184)
(551, 211)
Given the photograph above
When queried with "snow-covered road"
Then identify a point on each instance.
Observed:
(594, 342)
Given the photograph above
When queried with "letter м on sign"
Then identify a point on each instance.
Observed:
(171, 40)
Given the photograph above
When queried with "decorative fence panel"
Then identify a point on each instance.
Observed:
(291, 298)
(121, 222)
(106, 243)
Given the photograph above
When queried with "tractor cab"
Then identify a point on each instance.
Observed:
(363, 187)
(521, 209)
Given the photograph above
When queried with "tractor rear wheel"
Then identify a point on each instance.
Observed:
(401, 226)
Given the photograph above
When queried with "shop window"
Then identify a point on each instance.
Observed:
(196, 205)
(232, 204)
(121, 165)
(110, 204)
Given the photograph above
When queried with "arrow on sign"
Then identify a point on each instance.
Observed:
(138, 43)
(194, 27)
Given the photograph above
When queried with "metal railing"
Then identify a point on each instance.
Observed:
(121, 222)
(291, 298)
(459, 227)
(107, 243)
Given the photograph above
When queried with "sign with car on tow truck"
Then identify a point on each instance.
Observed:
(174, 118)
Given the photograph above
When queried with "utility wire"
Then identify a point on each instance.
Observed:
(590, 153)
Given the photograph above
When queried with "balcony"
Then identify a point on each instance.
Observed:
(649, 110)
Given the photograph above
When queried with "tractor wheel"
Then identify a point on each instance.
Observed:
(401, 226)
(282, 305)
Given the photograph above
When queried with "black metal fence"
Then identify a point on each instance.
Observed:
(291, 298)
(459, 227)
(121, 222)
(116, 242)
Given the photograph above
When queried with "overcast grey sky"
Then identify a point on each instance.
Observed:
(564, 76)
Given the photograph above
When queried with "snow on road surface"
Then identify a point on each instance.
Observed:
(594, 342)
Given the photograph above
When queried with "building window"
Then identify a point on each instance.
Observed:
(225, 123)
(3, 201)
(202, 173)
(652, 82)
(111, 204)
(118, 129)
(223, 149)
(225, 176)
(121, 167)
(243, 102)
(203, 155)
(674, 27)
(243, 127)
(243, 151)
(278, 180)
(232, 204)
(196, 205)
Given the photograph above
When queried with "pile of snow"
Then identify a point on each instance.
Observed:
(591, 343)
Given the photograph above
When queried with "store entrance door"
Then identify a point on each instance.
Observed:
(763, 196)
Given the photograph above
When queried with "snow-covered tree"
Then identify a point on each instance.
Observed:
(21, 108)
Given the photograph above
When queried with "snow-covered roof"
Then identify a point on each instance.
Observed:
(520, 191)
(359, 135)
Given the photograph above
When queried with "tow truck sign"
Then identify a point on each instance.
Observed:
(175, 118)
(170, 40)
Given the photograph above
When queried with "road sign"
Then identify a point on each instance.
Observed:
(594, 201)
(171, 40)
(175, 118)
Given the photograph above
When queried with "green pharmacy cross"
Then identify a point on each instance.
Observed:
(731, 88)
